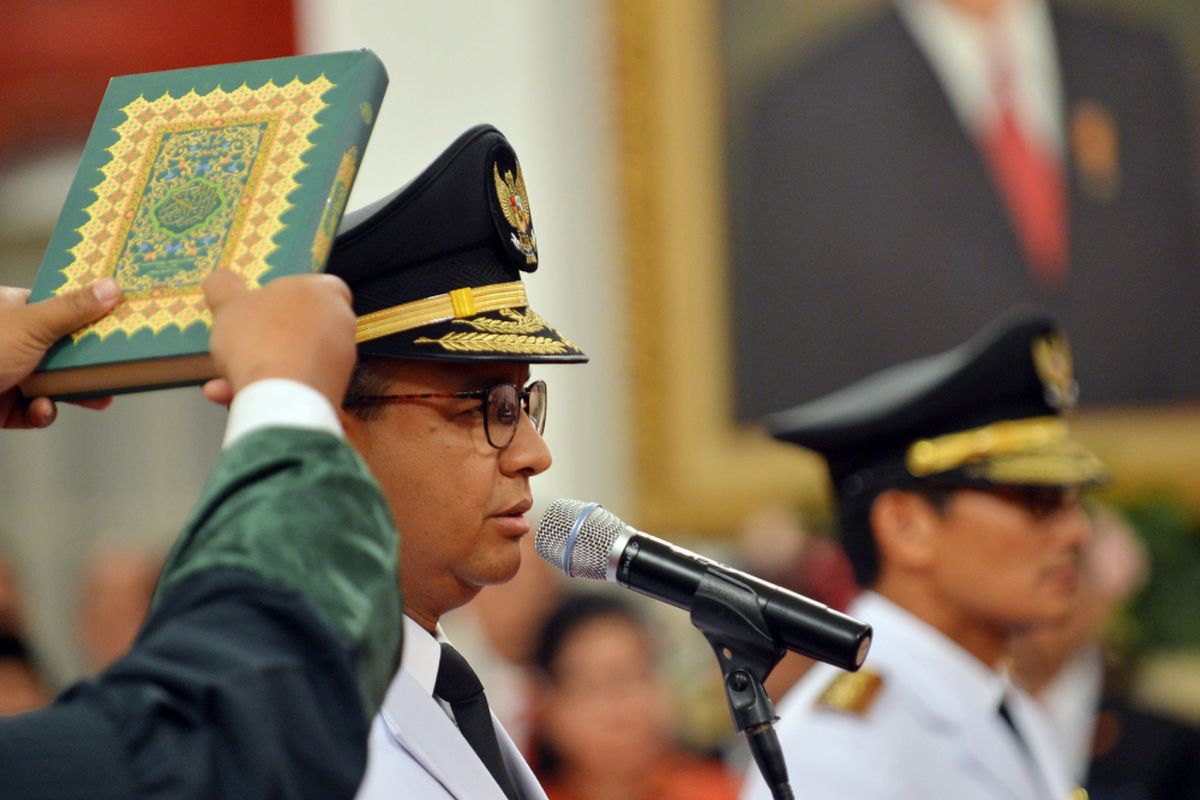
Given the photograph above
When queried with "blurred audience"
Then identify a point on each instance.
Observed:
(604, 715)
(117, 584)
(1115, 749)
(22, 687)
(775, 545)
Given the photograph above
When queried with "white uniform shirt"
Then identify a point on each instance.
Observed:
(415, 749)
(932, 730)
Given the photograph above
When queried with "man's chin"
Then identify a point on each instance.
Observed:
(500, 569)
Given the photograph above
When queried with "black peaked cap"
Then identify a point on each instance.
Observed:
(988, 411)
(436, 267)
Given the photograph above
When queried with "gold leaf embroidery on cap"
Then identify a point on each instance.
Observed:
(929, 456)
(514, 322)
(1068, 466)
(499, 343)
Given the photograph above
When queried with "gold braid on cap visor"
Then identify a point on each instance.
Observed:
(930, 456)
(455, 304)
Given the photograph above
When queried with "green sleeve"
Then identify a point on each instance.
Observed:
(300, 509)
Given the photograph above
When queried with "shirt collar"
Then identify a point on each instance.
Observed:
(910, 649)
(420, 659)
(422, 653)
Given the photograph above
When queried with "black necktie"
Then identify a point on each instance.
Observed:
(459, 686)
(1036, 771)
(1012, 726)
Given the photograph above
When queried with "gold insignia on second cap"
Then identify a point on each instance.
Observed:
(514, 204)
(851, 692)
(1052, 360)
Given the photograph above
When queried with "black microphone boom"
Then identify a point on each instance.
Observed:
(586, 541)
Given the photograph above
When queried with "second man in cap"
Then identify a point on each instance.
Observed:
(957, 488)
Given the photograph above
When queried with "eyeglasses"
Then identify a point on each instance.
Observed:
(501, 405)
(1042, 502)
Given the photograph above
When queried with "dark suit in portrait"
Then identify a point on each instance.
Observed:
(867, 229)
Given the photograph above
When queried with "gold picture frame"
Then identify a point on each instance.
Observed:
(697, 470)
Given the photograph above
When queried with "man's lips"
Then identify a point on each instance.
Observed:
(516, 509)
(1065, 576)
(511, 520)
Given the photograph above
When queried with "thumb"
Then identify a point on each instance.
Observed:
(54, 318)
(222, 286)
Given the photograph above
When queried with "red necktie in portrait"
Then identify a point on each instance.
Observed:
(1030, 180)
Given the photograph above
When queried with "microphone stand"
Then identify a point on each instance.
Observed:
(729, 614)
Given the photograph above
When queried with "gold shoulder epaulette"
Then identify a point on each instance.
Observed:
(851, 692)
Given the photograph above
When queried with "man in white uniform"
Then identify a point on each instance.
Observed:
(441, 408)
(958, 494)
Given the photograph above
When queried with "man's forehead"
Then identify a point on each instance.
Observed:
(454, 375)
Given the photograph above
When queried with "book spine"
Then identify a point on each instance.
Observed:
(351, 122)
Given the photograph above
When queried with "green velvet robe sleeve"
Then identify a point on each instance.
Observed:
(275, 628)
(300, 509)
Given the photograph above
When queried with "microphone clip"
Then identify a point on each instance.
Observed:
(730, 615)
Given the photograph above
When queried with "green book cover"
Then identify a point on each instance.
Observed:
(243, 166)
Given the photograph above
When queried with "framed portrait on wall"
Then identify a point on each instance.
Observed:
(799, 216)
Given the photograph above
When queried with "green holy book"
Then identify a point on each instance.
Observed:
(242, 166)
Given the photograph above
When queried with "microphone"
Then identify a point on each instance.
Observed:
(586, 541)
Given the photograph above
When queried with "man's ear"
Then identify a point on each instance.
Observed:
(353, 426)
(905, 526)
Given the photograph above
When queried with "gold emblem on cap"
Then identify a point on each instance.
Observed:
(514, 204)
(1096, 146)
(1052, 360)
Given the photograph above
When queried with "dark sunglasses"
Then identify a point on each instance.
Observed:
(1042, 502)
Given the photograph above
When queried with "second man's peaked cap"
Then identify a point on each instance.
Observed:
(990, 411)
(436, 267)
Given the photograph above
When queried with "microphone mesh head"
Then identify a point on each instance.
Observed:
(589, 549)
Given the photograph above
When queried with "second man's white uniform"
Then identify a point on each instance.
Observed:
(920, 721)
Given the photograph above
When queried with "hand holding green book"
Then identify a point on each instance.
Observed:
(242, 166)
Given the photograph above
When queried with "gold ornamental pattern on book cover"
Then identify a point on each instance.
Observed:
(195, 183)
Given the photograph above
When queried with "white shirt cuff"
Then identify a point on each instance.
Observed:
(279, 402)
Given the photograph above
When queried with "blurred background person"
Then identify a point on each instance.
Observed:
(1114, 748)
(22, 686)
(118, 582)
(604, 721)
(774, 544)
(946, 160)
